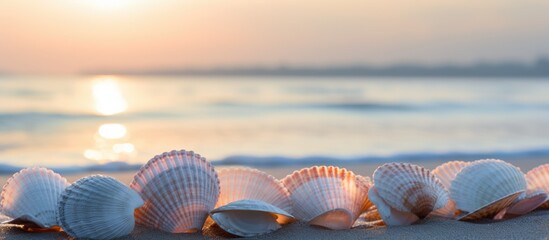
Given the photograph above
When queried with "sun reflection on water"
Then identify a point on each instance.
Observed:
(111, 139)
(111, 144)
(107, 96)
(112, 131)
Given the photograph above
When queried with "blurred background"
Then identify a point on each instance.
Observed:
(89, 85)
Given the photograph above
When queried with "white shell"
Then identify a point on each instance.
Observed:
(248, 218)
(525, 203)
(409, 188)
(247, 183)
(328, 196)
(179, 188)
(485, 187)
(31, 195)
(390, 216)
(538, 178)
(446, 173)
(98, 207)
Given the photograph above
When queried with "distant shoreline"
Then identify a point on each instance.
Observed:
(539, 68)
(526, 158)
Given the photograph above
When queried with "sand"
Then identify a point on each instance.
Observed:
(531, 226)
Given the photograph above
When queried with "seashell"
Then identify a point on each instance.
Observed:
(371, 214)
(248, 218)
(98, 207)
(407, 188)
(485, 187)
(30, 197)
(538, 178)
(247, 183)
(179, 188)
(446, 173)
(525, 203)
(369, 218)
(390, 215)
(328, 196)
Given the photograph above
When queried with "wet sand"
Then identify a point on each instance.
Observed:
(531, 226)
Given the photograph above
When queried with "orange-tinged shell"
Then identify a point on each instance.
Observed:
(252, 184)
(328, 196)
(538, 178)
(446, 173)
(371, 214)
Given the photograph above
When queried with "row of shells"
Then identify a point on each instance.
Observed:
(178, 191)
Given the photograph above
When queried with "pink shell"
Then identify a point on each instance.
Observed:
(179, 189)
(538, 178)
(328, 196)
(446, 173)
(239, 183)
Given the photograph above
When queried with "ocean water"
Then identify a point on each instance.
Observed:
(76, 121)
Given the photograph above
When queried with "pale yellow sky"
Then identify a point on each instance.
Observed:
(69, 36)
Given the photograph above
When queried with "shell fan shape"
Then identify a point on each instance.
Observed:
(31, 196)
(179, 188)
(446, 173)
(248, 183)
(486, 187)
(248, 218)
(404, 193)
(251, 202)
(538, 179)
(328, 196)
(98, 207)
(525, 203)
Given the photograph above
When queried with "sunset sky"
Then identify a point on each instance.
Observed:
(70, 36)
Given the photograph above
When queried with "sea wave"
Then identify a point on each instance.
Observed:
(354, 106)
(281, 161)
(349, 106)
(43, 115)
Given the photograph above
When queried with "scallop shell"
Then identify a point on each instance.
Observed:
(409, 188)
(446, 173)
(371, 214)
(31, 196)
(98, 207)
(525, 203)
(390, 215)
(538, 178)
(248, 218)
(179, 188)
(328, 196)
(485, 187)
(247, 183)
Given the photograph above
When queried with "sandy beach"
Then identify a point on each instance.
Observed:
(532, 226)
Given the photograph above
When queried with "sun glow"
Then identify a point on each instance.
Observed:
(108, 97)
(108, 4)
(112, 131)
(111, 144)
